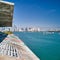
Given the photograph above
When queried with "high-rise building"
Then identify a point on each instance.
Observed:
(6, 13)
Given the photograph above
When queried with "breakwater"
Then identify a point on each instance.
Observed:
(15, 49)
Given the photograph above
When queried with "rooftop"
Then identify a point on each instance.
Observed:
(7, 2)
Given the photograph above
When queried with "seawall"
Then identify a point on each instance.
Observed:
(14, 48)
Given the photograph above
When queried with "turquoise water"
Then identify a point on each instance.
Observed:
(45, 45)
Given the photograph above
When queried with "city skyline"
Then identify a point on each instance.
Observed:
(36, 13)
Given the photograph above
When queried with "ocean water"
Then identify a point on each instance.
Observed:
(2, 36)
(45, 45)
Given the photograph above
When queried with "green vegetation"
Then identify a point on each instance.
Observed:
(8, 32)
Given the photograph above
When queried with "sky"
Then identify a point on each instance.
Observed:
(36, 13)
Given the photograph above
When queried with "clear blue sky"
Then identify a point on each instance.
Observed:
(39, 13)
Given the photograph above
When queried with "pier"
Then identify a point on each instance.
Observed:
(15, 49)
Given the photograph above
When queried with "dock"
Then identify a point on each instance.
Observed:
(13, 48)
